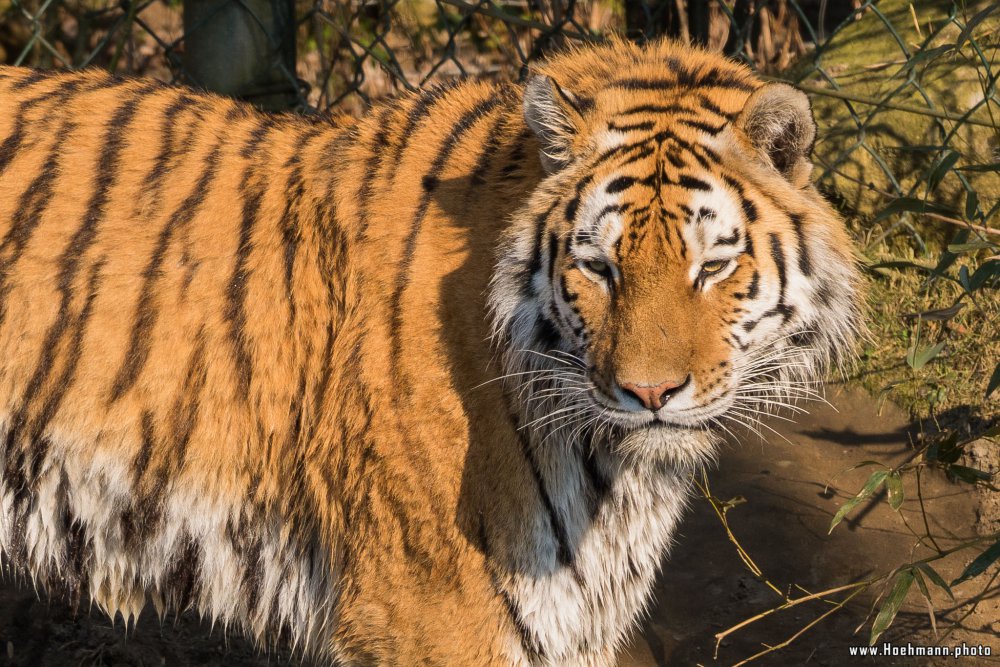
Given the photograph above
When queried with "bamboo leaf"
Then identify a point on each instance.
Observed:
(994, 381)
(917, 357)
(894, 485)
(979, 565)
(969, 475)
(941, 169)
(927, 599)
(970, 247)
(936, 578)
(892, 603)
(981, 167)
(938, 314)
(874, 482)
(973, 22)
(912, 205)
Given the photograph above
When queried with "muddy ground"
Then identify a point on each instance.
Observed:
(704, 589)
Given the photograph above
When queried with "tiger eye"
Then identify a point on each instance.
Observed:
(715, 266)
(597, 266)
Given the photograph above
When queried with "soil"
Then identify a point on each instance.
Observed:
(792, 485)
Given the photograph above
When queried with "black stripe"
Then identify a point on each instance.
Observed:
(146, 313)
(714, 78)
(161, 164)
(642, 125)
(252, 191)
(574, 203)
(66, 378)
(12, 144)
(752, 290)
(655, 108)
(535, 265)
(729, 240)
(707, 128)
(599, 485)
(692, 183)
(295, 192)
(545, 334)
(144, 515)
(749, 208)
(529, 641)
(644, 84)
(712, 107)
(619, 184)
(380, 141)
(31, 78)
(184, 413)
(805, 265)
(430, 182)
(28, 213)
(778, 255)
(494, 137)
(420, 110)
(564, 553)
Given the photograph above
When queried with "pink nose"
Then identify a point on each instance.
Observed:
(654, 396)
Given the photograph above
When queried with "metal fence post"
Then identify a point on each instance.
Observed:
(242, 48)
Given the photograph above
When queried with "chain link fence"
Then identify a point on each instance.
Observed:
(342, 54)
(357, 50)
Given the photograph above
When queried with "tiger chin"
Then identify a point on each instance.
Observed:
(424, 387)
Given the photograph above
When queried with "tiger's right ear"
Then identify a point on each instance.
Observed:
(554, 115)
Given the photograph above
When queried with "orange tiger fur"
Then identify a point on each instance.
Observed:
(245, 360)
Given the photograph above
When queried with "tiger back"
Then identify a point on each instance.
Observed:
(427, 386)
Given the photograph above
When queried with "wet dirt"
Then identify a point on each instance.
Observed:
(792, 483)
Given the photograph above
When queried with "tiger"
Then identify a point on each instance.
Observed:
(428, 386)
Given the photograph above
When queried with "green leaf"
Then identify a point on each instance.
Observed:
(936, 578)
(938, 314)
(963, 277)
(894, 485)
(969, 475)
(992, 432)
(973, 22)
(971, 204)
(927, 54)
(917, 357)
(970, 247)
(901, 264)
(994, 381)
(981, 167)
(921, 585)
(913, 205)
(979, 565)
(985, 273)
(941, 169)
(892, 603)
(874, 482)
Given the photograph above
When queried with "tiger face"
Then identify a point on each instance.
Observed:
(678, 270)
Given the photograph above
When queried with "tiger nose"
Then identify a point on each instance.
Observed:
(654, 396)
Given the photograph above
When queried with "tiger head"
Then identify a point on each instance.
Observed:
(675, 267)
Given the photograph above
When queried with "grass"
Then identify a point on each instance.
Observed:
(955, 379)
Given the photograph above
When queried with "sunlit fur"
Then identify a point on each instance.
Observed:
(354, 385)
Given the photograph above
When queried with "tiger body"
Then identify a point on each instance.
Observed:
(246, 361)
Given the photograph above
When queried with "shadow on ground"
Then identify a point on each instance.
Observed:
(704, 589)
(793, 485)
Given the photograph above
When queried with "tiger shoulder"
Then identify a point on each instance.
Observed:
(424, 387)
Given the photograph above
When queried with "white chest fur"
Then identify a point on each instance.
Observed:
(586, 570)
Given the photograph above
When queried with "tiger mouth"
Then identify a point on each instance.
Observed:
(632, 420)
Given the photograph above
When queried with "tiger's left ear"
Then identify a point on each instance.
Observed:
(777, 122)
(554, 115)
